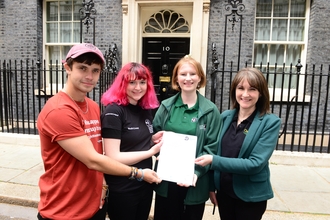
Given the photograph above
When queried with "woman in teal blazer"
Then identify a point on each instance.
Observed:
(247, 140)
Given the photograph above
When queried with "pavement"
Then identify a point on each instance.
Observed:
(301, 181)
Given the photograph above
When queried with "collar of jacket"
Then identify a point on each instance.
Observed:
(228, 116)
(203, 108)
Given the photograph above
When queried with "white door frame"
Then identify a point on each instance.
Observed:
(133, 23)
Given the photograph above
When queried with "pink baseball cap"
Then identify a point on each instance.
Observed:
(83, 48)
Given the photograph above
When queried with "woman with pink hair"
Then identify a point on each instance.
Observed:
(127, 133)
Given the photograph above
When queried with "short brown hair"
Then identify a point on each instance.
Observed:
(88, 58)
(198, 67)
(257, 80)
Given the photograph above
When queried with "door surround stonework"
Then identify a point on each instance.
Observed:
(135, 13)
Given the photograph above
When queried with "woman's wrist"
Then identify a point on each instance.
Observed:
(105, 187)
(141, 176)
(133, 174)
(136, 173)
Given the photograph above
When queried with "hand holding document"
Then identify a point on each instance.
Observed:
(177, 158)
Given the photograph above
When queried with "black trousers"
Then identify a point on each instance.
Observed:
(236, 209)
(172, 207)
(132, 205)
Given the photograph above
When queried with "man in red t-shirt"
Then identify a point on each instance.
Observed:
(73, 186)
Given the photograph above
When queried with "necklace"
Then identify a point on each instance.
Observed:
(84, 112)
(240, 121)
(242, 118)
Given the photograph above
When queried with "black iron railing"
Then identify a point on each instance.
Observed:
(299, 98)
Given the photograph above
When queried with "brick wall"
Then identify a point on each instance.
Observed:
(319, 32)
(19, 30)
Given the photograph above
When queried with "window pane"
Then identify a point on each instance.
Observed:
(279, 29)
(152, 26)
(270, 77)
(293, 54)
(297, 8)
(289, 81)
(54, 54)
(65, 32)
(76, 15)
(264, 8)
(276, 54)
(52, 11)
(76, 32)
(262, 29)
(65, 11)
(297, 28)
(65, 50)
(281, 8)
(260, 53)
(52, 33)
(57, 53)
(166, 21)
(287, 23)
(181, 26)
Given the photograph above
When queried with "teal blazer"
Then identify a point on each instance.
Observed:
(251, 175)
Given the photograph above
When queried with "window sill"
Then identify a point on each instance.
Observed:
(288, 96)
(299, 99)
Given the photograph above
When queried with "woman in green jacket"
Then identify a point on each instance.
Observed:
(187, 112)
(247, 140)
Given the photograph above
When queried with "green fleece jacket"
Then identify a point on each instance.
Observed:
(207, 132)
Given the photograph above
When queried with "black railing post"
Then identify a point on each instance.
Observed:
(27, 93)
(3, 107)
(39, 83)
(87, 17)
(111, 68)
(215, 65)
(326, 107)
(298, 66)
(310, 107)
(21, 101)
(4, 88)
(319, 89)
(235, 6)
(33, 99)
(302, 118)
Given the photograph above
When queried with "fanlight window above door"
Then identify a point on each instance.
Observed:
(166, 21)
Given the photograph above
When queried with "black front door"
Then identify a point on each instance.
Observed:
(161, 55)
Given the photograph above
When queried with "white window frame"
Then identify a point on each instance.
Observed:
(61, 47)
(278, 91)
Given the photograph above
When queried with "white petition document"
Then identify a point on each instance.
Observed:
(177, 158)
